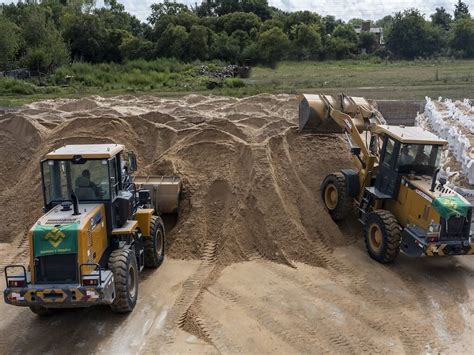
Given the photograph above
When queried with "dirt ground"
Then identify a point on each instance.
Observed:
(255, 264)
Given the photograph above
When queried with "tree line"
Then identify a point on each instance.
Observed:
(43, 35)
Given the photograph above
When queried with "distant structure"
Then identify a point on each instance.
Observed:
(377, 31)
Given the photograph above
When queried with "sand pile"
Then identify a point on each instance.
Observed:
(251, 192)
(251, 181)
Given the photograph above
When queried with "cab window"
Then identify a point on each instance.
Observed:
(89, 180)
(419, 159)
(388, 157)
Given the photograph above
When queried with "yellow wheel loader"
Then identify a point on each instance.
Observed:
(394, 190)
(101, 228)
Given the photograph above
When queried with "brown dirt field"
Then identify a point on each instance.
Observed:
(255, 264)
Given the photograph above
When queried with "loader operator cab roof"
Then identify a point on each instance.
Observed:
(86, 151)
(413, 135)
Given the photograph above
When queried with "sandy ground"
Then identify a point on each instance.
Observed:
(255, 264)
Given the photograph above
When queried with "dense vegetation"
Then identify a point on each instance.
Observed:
(44, 35)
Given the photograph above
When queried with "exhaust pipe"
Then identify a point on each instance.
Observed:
(75, 203)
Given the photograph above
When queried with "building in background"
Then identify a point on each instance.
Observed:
(377, 31)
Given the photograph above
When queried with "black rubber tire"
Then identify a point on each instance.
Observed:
(344, 201)
(391, 239)
(42, 311)
(123, 264)
(155, 243)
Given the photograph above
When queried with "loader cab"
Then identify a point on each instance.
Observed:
(405, 151)
(94, 174)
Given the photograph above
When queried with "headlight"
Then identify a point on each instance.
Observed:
(434, 230)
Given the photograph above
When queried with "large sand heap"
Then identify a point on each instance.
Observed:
(251, 181)
(251, 193)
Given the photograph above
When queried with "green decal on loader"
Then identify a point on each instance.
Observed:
(448, 206)
(61, 239)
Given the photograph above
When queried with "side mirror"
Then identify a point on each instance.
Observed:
(132, 162)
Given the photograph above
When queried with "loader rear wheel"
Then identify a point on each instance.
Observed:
(123, 264)
(155, 243)
(42, 311)
(335, 196)
(382, 236)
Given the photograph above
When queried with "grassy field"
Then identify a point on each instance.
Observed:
(370, 78)
(385, 80)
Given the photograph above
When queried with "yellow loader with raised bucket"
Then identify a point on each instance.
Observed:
(102, 226)
(394, 189)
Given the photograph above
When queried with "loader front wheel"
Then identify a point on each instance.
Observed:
(382, 234)
(335, 196)
(123, 264)
(155, 243)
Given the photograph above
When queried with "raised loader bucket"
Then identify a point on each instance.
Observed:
(164, 191)
(314, 114)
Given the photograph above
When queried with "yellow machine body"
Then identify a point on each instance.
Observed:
(385, 190)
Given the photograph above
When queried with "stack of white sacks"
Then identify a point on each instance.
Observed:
(453, 121)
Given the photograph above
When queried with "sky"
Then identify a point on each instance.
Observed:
(342, 9)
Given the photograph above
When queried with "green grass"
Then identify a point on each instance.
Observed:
(371, 78)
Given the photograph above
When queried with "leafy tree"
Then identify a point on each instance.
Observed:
(198, 43)
(206, 9)
(441, 18)
(48, 54)
(272, 45)
(168, 8)
(269, 24)
(346, 32)
(367, 41)
(224, 48)
(411, 36)
(186, 19)
(174, 43)
(85, 36)
(241, 38)
(307, 42)
(339, 47)
(356, 22)
(9, 43)
(386, 23)
(329, 24)
(45, 47)
(224, 7)
(461, 10)
(257, 7)
(133, 48)
(463, 37)
(239, 21)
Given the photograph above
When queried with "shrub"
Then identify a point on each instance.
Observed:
(15, 86)
(234, 83)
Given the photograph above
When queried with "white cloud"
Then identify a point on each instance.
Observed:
(343, 9)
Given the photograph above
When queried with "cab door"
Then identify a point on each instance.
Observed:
(387, 180)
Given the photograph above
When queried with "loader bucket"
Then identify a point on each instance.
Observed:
(314, 114)
(165, 191)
